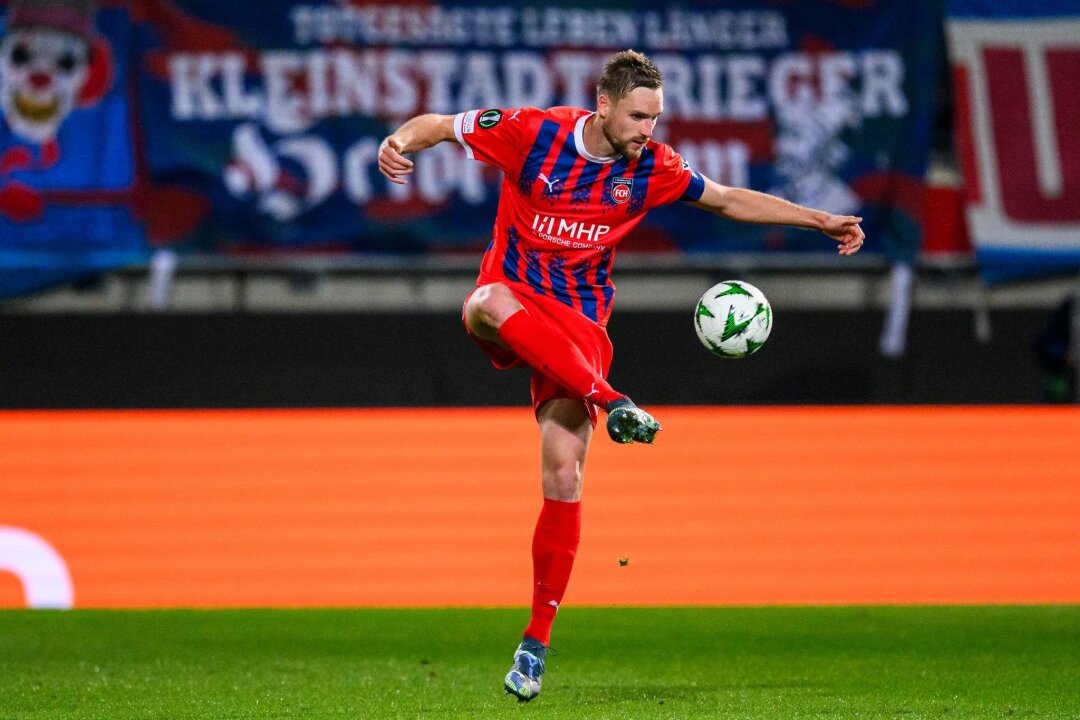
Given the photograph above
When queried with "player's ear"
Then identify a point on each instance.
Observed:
(603, 105)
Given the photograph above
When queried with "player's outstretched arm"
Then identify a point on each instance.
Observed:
(758, 207)
(416, 134)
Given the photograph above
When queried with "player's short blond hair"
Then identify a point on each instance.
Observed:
(625, 71)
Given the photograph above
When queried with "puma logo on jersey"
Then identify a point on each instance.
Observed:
(550, 183)
(514, 116)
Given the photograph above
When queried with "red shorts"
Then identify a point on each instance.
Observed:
(590, 338)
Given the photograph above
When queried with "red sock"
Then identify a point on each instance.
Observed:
(554, 547)
(545, 350)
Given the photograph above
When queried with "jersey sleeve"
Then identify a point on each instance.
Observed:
(674, 178)
(495, 136)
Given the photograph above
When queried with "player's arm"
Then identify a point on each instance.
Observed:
(417, 134)
(758, 207)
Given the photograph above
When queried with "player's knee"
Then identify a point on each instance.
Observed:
(490, 306)
(563, 482)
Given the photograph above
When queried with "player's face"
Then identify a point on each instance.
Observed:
(629, 123)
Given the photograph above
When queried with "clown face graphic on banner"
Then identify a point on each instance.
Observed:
(68, 174)
(42, 72)
(51, 62)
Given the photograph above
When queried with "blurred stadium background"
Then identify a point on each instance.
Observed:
(233, 367)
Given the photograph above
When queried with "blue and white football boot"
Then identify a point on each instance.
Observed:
(523, 680)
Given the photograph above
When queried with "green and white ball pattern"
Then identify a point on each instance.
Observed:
(733, 319)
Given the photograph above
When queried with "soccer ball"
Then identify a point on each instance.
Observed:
(733, 319)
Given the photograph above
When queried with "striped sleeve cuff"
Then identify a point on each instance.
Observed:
(465, 124)
(694, 188)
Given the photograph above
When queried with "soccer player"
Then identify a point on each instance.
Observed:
(575, 182)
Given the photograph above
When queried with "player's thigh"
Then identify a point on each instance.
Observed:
(565, 432)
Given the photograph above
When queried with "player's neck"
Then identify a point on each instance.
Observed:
(596, 143)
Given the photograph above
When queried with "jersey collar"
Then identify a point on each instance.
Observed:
(579, 142)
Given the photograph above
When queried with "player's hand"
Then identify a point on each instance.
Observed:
(845, 230)
(392, 163)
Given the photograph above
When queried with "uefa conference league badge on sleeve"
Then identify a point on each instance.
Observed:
(489, 119)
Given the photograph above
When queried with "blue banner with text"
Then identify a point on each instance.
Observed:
(253, 127)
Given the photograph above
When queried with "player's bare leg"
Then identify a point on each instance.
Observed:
(565, 430)
(495, 315)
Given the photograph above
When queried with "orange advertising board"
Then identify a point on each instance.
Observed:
(436, 507)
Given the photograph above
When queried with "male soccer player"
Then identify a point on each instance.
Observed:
(575, 183)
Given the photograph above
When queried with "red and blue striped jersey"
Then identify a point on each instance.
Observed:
(562, 210)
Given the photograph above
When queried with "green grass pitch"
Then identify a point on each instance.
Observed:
(834, 662)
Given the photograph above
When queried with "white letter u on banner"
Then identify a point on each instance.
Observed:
(42, 571)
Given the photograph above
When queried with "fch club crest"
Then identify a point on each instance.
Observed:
(620, 189)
